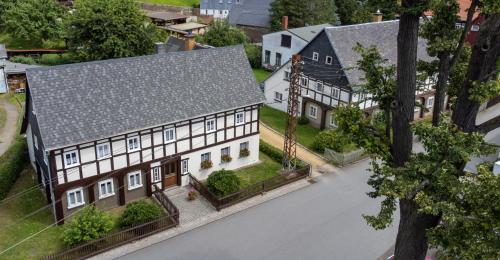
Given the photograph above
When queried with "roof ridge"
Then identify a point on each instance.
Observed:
(360, 24)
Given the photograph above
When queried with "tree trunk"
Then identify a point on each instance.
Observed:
(404, 102)
(441, 86)
(411, 242)
(485, 53)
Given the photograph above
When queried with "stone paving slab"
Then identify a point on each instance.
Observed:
(207, 214)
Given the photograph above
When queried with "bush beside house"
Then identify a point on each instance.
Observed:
(91, 223)
(223, 182)
(332, 139)
(139, 212)
(12, 162)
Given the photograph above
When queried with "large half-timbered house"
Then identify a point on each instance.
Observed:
(329, 76)
(104, 132)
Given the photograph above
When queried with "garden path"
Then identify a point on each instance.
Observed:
(8, 133)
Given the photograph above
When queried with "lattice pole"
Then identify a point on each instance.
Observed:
(290, 149)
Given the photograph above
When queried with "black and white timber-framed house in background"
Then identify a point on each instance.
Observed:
(329, 77)
(104, 132)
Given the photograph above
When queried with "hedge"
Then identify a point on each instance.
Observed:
(12, 163)
(275, 153)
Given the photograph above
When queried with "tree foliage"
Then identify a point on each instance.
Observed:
(89, 224)
(35, 20)
(221, 33)
(331, 139)
(302, 13)
(4, 5)
(223, 182)
(105, 29)
(254, 55)
(352, 12)
(139, 212)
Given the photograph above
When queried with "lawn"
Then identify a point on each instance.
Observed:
(277, 120)
(48, 241)
(189, 3)
(260, 172)
(261, 74)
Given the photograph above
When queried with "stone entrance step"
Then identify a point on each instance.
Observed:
(175, 191)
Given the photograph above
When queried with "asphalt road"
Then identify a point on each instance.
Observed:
(321, 221)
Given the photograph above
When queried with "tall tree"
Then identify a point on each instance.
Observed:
(4, 5)
(302, 13)
(352, 12)
(434, 192)
(221, 33)
(35, 20)
(105, 29)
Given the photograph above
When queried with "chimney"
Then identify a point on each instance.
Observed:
(377, 16)
(284, 23)
(160, 48)
(189, 41)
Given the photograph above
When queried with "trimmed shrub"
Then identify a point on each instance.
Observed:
(223, 182)
(303, 120)
(331, 139)
(91, 223)
(12, 163)
(139, 212)
(23, 59)
(276, 154)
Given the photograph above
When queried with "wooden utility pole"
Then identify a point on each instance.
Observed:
(290, 149)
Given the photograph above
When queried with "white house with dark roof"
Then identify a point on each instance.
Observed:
(104, 132)
(251, 16)
(216, 8)
(329, 78)
(278, 47)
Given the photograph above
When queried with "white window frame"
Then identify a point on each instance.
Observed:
(73, 164)
(108, 193)
(315, 109)
(328, 58)
(333, 122)
(236, 116)
(138, 144)
(209, 157)
(287, 75)
(210, 125)
(155, 174)
(429, 102)
(99, 156)
(185, 166)
(304, 81)
(222, 151)
(76, 204)
(166, 136)
(136, 184)
(278, 96)
(315, 56)
(335, 92)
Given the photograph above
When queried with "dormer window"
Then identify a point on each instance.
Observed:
(286, 41)
(315, 56)
(329, 60)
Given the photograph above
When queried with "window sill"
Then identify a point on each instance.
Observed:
(106, 196)
(104, 158)
(135, 187)
(66, 167)
(239, 124)
(209, 132)
(133, 151)
(76, 205)
(278, 101)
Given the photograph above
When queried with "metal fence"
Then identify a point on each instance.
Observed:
(342, 159)
(121, 237)
(250, 191)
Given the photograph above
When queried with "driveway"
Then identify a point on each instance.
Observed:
(321, 221)
(8, 133)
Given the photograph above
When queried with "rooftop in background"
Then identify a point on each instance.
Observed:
(251, 13)
(165, 16)
(187, 26)
(174, 44)
(308, 32)
(16, 68)
(82, 102)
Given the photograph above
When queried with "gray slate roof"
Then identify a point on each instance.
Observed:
(382, 34)
(309, 32)
(89, 101)
(251, 13)
(16, 68)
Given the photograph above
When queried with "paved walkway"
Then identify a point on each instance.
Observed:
(8, 133)
(275, 139)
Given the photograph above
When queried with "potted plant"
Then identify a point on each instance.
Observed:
(192, 195)
(226, 158)
(207, 164)
(244, 152)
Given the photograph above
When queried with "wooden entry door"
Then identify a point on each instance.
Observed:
(171, 172)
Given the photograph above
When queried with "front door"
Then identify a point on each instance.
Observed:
(171, 172)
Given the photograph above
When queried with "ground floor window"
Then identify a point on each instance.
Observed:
(106, 188)
(205, 157)
(278, 97)
(156, 174)
(134, 180)
(430, 102)
(185, 166)
(313, 111)
(75, 198)
(333, 122)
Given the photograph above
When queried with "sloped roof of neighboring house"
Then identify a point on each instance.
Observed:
(3, 52)
(83, 102)
(165, 16)
(383, 35)
(16, 68)
(251, 13)
(174, 44)
(309, 32)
